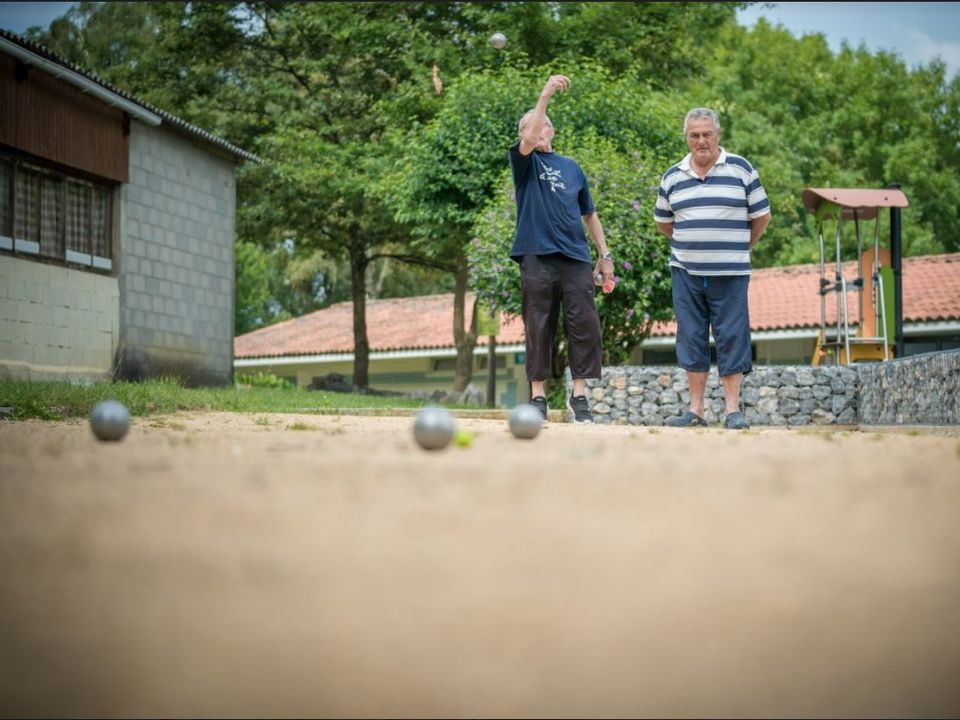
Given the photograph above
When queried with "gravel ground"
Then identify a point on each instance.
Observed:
(326, 566)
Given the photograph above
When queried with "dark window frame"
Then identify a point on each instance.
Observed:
(82, 249)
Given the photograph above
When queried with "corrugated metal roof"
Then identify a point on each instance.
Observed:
(183, 125)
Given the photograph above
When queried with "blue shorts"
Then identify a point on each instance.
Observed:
(702, 302)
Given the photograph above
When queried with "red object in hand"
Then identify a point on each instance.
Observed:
(607, 284)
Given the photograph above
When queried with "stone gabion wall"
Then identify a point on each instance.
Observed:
(918, 390)
(773, 395)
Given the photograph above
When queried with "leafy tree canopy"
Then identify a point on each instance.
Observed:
(808, 118)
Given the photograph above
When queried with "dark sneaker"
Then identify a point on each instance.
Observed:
(580, 408)
(540, 403)
(688, 419)
(736, 421)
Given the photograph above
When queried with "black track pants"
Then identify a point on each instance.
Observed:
(549, 282)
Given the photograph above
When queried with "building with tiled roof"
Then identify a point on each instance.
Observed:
(411, 339)
(421, 324)
(411, 347)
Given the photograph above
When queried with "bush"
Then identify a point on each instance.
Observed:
(263, 380)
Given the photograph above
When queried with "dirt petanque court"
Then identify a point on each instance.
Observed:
(227, 565)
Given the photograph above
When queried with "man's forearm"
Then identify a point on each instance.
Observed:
(595, 228)
(757, 228)
(539, 115)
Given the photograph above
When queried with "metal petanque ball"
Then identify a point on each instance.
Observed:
(525, 422)
(433, 428)
(498, 40)
(110, 420)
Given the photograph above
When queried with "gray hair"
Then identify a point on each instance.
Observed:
(699, 114)
(523, 122)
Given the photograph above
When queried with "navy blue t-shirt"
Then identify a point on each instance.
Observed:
(552, 195)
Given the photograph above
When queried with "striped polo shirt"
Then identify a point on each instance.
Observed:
(711, 217)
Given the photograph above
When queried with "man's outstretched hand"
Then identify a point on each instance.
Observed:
(556, 82)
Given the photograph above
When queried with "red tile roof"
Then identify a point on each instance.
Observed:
(780, 298)
(411, 323)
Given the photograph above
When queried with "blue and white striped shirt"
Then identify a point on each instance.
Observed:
(711, 217)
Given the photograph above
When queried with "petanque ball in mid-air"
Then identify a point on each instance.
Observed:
(498, 40)
(110, 420)
(525, 422)
(433, 428)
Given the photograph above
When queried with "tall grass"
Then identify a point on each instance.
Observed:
(56, 400)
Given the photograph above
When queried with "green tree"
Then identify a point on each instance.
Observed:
(806, 117)
(252, 288)
(662, 43)
(326, 70)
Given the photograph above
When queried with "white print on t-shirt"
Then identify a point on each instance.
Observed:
(553, 177)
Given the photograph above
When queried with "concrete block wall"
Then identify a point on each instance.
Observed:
(177, 216)
(56, 323)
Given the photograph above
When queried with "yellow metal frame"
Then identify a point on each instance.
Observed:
(844, 348)
(870, 352)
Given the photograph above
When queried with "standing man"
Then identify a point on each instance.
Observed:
(553, 205)
(713, 208)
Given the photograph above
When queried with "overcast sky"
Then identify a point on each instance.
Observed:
(917, 32)
(18, 16)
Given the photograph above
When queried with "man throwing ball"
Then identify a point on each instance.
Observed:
(553, 206)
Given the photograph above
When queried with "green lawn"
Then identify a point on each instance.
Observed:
(57, 400)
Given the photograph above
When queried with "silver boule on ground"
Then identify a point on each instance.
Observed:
(110, 420)
(433, 428)
(525, 421)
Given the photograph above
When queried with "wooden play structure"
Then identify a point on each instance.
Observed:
(866, 325)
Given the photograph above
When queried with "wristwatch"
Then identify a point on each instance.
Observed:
(607, 256)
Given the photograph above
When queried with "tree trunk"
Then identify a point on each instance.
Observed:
(464, 340)
(358, 290)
